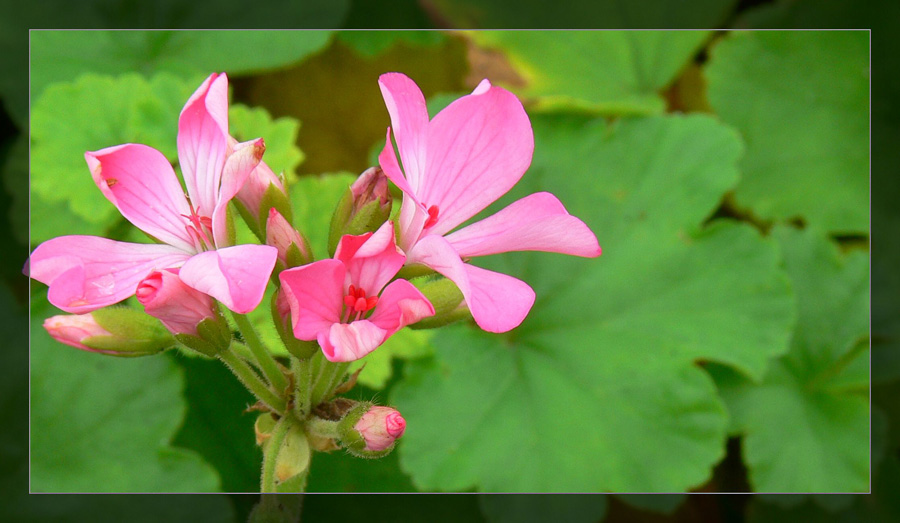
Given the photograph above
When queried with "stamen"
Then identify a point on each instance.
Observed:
(357, 303)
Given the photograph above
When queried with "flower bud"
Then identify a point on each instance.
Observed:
(369, 431)
(364, 207)
(380, 427)
(189, 314)
(117, 331)
(293, 250)
(263, 190)
(445, 296)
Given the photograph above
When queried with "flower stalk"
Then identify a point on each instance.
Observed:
(261, 354)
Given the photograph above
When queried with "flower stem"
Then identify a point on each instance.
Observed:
(303, 382)
(252, 381)
(327, 378)
(270, 455)
(262, 355)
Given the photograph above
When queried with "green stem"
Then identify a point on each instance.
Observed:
(327, 379)
(251, 380)
(303, 382)
(323, 427)
(263, 357)
(270, 455)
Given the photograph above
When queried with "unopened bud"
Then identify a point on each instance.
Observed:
(364, 207)
(116, 331)
(293, 249)
(370, 431)
(263, 190)
(189, 314)
(445, 296)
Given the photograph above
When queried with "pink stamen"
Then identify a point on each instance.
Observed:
(357, 302)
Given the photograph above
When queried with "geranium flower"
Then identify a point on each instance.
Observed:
(87, 272)
(454, 166)
(340, 302)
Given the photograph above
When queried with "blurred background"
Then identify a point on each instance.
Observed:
(720, 344)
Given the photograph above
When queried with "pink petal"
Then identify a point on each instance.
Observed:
(140, 182)
(399, 305)
(314, 293)
(538, 222)
(240, 164)
(203, 142)
(236, 276)
(409, 119)
(478, 148)
(371, 259)
(86, 272)
(498, 302)
(351, 341)
(387, 159)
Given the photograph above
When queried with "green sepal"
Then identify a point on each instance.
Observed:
(134, 333)
(215, 331)
(294, 255)
(417, 270)
(277, 199)
(339, 219)
(292, 461)
(198, 344)
(230, 231)
(447, 300)
(300, 349)
(252, 223)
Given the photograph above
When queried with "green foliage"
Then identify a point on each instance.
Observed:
(103, 424)
(374, 43)
(800, 100)
(534, 508)
(602, 370)
(824, 452)
(280, 134)
(66, 55)
(610, 72)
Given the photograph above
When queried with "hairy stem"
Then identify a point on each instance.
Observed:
(270, 455)
(263, 357)
(252, 381)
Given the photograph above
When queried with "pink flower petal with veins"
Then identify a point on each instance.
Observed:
(371, 259)
(314, 292)
(236, 276)
(399, 305)
(538, 222)
(86, 272)
(141, 183)
(351, 341)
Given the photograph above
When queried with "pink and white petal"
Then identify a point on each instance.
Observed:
(372, 263)
(141, 183)
(387, 159)
(498, 302)
(409, 119)
(537, 222)
(411, 222)
(203, 141)
(242, 161)
(236, 276)
(351, 341)
(87, 272)
(478, 148)
(315, 294)
(399, 305)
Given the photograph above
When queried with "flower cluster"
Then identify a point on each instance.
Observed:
(384, 274)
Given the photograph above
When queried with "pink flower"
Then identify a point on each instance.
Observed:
(252, 192)
(340, 302)
(74, 329)
(86, 272)
(282, 235)
(179, 307)
(380, 427)
(454, 166)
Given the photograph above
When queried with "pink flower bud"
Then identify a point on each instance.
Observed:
(179, 307)
(72, 329)
(281, 235)
(372, 185)
(254, 188)
(380, 426)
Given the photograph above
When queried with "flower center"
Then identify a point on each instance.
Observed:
(356, 303)
(432, 216)
(199, 228)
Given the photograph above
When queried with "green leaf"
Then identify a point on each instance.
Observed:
(65, 55)
(523, 508)
(609, 72)
(280, 135)
(801, 101)
(93, 113)
(373, 43)
(314, 199)
(801, 435)
(603, 370)
(102, 424)
(406, 343)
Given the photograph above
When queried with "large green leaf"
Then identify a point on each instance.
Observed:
(280, 134)
(103, 424)
(612, 72)
(802, 435)
(801, 101)
(602, 372)
(65, 55)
